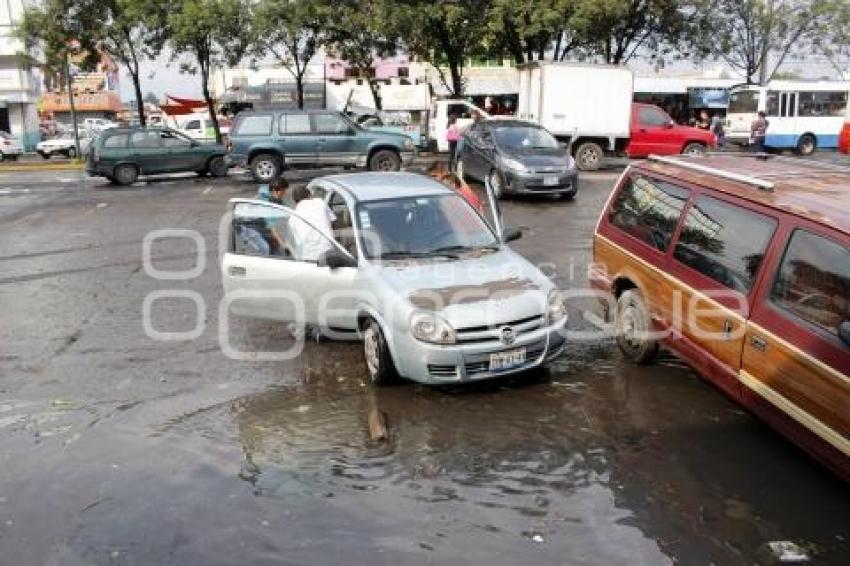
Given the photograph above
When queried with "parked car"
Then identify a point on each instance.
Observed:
(412, 270)
(99, 124)
(653, 131)
(740, 265)
(269, 141)
(522, 156)
(122, 154)
(10, 148)
(64, 145)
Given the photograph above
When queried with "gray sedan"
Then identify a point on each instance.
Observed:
(411, 269)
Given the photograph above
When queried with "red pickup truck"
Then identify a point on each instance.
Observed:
(654, 132)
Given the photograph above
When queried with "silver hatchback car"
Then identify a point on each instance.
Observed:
(411, 269)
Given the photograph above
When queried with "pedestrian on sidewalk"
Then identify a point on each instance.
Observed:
(718, 130)
(452, 136)
(758, 131)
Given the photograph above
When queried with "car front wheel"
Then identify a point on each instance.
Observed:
(217, 166)
(694, 149)
(385, 160)
(634, 328)
(379, 362)
(265, 168)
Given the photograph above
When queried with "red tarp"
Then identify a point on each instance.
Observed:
(181, 106)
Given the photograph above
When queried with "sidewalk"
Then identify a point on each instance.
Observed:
(34, 162)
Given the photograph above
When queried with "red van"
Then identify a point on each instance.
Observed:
(654, 132)
(739, 265)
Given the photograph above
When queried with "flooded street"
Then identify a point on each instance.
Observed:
(118, 449)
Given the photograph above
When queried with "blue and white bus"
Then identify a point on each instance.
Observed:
(802, 115)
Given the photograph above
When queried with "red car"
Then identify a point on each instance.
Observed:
(844, 138)
(654, 132)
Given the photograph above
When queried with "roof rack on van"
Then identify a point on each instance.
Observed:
(754, 181)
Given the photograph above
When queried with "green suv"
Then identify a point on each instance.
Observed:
(269, 141)
(122, 154)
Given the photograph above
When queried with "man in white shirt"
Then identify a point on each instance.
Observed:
(313, 237)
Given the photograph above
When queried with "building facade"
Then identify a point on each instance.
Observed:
(19, 86)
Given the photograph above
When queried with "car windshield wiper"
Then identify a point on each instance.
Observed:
(416, 255)
(456, 249)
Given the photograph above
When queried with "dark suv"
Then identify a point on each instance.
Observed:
(122, 154)
(269, 141)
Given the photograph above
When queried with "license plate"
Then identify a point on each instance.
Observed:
(506, 360)
(550, 181)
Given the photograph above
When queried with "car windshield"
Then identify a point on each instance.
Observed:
(744, 102)
(524, 137)
(442, 225)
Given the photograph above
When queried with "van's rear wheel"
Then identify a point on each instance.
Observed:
(385, 160)
(126, 174)
(589, 156)
(807, 144)
(634, 327)
(217, 166)
(379, 362)
(265, 167)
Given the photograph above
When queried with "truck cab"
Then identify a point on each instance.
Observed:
(654, 132)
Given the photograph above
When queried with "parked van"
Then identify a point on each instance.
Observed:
(740, 265)
(269, 141)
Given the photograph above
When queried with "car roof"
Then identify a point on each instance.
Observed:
(810, 189)
(364, 187)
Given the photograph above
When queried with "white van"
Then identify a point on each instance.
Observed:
(438, 122)
(199, 128)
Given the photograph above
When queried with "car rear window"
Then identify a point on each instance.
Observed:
(116, 141)
(813, 282)
(255, 126)
(724, 242)
(649, 210)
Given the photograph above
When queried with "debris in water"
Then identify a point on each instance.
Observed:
(302, 408)
(377, 425)
(61, 403)
(787, 551)
(102, 204)
(537, 538)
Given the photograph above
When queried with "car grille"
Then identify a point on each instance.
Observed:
(490, 333)
(442, 371)
(558, 170)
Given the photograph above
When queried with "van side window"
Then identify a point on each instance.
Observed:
(724, 242)
(255, 126)
(649, 210)
(295, 124)
(117, 140)
(813, 281)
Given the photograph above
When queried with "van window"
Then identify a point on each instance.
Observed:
(649, 210)
(255, 126)
(118, 140)
(724, 242)
(295, 124)
(813, 281)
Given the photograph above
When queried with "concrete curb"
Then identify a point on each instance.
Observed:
(19, 167)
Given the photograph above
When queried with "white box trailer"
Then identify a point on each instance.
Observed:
(587, 106)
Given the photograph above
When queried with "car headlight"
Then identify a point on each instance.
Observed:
(513, 164)
(429, 327)
(408, 143)
(556, 309)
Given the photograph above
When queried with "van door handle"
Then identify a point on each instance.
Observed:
(758, 343)
(237, 271)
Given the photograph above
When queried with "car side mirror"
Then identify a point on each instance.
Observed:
(511, 234)
(844, 332)
(669, 124)
(335, 259)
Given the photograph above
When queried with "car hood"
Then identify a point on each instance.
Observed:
(539, 158)
(491, 289)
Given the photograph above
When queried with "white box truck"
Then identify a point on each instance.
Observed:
(587, 106)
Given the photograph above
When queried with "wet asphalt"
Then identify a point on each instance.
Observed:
(118, 449)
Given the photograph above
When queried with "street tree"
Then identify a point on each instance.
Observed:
(358, 34)
(292, 31)
(130, 31)
(55, 36)
(445, 33)
(530, 30)
(211, 33)
(617, 31)
(756, 36)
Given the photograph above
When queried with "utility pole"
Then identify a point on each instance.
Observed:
(71, 102)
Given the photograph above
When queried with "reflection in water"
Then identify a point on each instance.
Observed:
(620, 464)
